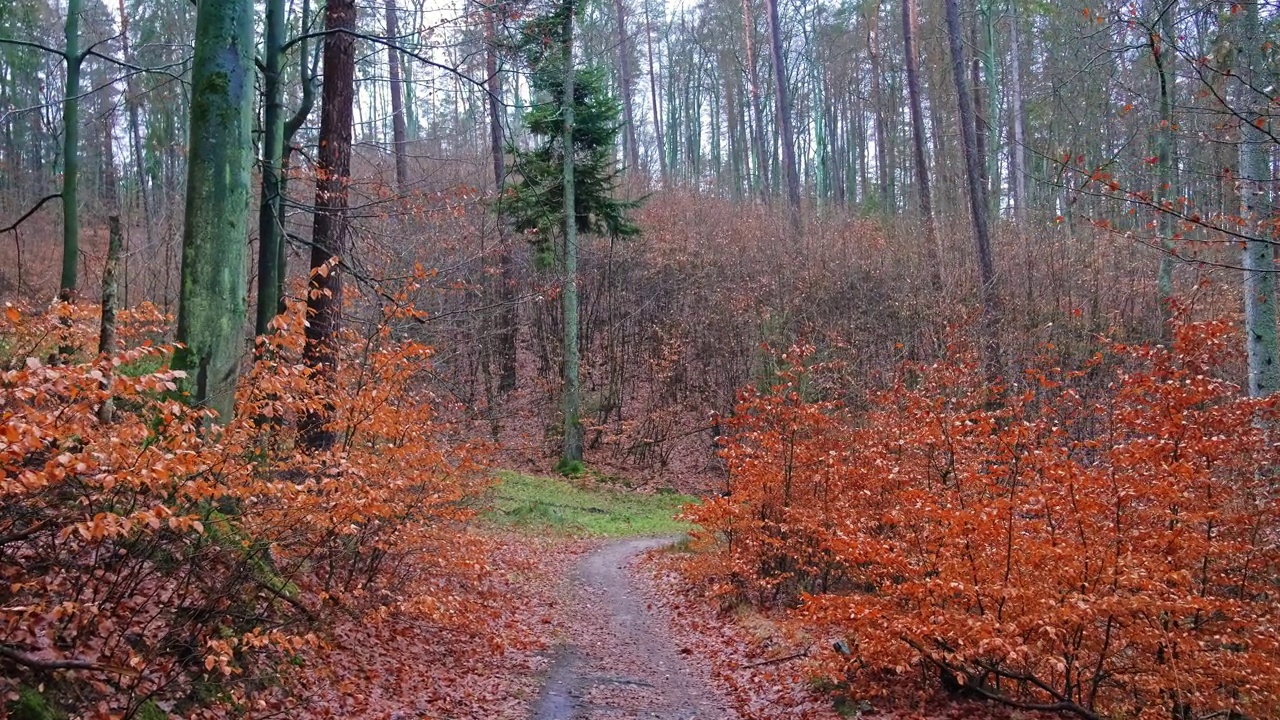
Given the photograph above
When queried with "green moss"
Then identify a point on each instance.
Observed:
(571, 468)
(552, 504)
(150, 711)
(32, 705)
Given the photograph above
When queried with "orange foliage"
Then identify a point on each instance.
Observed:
(157, 559)
(1108, 548)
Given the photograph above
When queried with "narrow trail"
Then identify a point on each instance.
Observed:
(618, 659)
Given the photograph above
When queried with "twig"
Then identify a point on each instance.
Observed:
(776, 661)
(31, 212)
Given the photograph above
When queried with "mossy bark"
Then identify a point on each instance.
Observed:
(212, 306)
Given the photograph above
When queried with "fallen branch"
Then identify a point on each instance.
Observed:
(36, 663)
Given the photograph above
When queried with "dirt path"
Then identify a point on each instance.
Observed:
(618, 659)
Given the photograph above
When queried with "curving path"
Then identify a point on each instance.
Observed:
(617, 659)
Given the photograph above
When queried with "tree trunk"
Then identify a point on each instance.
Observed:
(269, 215)
(1263, 348)
(135, 131)
(1018, 165)
(1164, 52)
(71, 155)
(782, 96)
(211, 310)
(761, 175)
(398, 132)
(977, 194)
(572, 400)
(992, 119)
(653, 97)
(918, 144)
(507, 276)
(329, 233)
(624, 72)
(883, 171)
(979, 115)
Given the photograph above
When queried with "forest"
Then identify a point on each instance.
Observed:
(565, 359)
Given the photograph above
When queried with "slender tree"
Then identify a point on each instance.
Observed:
(782, 97)
(211, 310)
(977, 190)
(71, 154)
(760, 178)
(918, 141)
(398, 131)
(1163, 51)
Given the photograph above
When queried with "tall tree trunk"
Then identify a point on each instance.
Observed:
(624, 72)
(398, 133)
(760, 179)
(115, 247)
(782, 96)
(977, 193)
(918, 143)
(507, 276)
(883, 170)
(992, 119)
(307, 64)
(1163, 51)
(1263, 347)
(329, 241)
(71, 155)
(135, 130)
(269, 207)
(572, 398)
(211, 310)
(653, 97)
(979, 107)
(1018, 165)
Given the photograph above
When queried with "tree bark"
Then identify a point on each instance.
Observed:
(398, 133)
(782, 96)
(977, 194)
(329, 236)
(211, 310)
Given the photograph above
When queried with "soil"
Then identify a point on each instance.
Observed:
(618, 658)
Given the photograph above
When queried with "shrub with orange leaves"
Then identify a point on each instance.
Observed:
(1109, 550)
(153, 559)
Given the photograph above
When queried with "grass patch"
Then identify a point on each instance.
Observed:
(544, 503)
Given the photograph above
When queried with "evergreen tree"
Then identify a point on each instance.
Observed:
(567, 184)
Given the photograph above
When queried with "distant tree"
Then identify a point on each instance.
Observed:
(567, 193)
